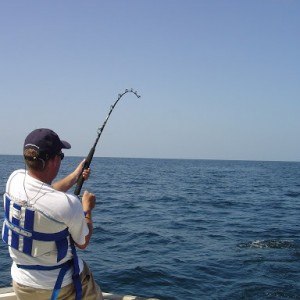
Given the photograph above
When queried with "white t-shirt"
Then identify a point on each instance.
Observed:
(62, 207)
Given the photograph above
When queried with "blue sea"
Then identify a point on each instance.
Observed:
(190, 229)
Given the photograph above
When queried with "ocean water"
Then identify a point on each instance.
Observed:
(190, 229)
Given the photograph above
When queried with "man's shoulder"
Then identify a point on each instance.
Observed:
(19, 172)
(16, 178)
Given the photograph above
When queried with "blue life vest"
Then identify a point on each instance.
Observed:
(18, 232)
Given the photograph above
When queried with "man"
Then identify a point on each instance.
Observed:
(43, 225)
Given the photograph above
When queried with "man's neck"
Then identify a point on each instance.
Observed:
(41, 176)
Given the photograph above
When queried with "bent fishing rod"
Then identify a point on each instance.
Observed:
(99, 132)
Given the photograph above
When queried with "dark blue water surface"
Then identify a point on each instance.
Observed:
(190, 229)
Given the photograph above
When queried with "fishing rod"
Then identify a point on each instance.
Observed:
(99, 132)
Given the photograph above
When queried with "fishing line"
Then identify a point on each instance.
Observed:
(99, 132)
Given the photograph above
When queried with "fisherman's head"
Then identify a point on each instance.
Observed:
(40, 146)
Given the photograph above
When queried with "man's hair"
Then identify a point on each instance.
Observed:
(33, 161)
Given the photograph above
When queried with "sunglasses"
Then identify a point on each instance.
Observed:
(61, 155)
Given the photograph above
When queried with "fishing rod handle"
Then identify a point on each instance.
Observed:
(79, 185)
(86, 165)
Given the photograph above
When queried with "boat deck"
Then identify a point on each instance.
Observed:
(8, 294)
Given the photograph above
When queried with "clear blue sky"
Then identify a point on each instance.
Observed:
(218, 79)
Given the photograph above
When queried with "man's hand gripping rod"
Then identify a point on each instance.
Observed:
(99, 132)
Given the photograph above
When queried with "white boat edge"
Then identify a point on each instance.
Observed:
(7, 293)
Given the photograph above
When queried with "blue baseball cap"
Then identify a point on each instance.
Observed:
(46, 142)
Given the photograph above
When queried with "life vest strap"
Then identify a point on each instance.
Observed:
(39, 236)
(76, 275)
(45, 268)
